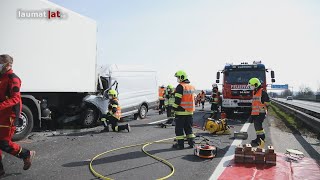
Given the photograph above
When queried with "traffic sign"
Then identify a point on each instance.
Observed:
(279, 86)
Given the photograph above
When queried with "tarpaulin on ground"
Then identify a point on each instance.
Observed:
(305, 168)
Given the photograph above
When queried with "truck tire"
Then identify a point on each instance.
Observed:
(90, 117)
(143, 110)
(24, 125)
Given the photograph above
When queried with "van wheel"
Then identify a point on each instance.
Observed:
(90, 117)
(143, 111)
(24, 125)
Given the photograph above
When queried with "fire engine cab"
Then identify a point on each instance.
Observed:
(236, 93)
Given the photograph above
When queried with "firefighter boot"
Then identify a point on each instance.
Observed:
(27, 161)
(124, 127)
(261, 140)
(191, 142)
(128, 127)
(1, 168)
(255, 142)
(106, 129)
(179, 145)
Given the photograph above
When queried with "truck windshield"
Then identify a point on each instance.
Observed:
(243, 77)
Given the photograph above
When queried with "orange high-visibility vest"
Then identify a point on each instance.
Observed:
(161, 93)
(257, 106)
(187, 100)
(118, 112)
(215, 98)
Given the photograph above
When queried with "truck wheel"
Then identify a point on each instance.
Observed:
(90, 117)
(24, 125)
(143, 111)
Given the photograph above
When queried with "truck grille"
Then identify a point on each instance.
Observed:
(241, 92)
(244, 104)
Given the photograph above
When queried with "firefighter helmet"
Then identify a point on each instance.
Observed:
(254, 82)
(112, 93)
(181, 75)
(214, 86)
(170, 87)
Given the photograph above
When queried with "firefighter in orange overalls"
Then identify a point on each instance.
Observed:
(260, 102)
(203, 98)
(162, 91)
(10, 109)
(198, 99)
(184, 107)
(113, 115)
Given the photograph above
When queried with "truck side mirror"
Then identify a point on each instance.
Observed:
(272, 74)
(218, 75)
(273, 80)
(217, 81)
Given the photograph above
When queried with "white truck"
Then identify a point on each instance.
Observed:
(54, 51)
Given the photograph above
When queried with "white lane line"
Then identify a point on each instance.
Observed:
(158, 121)
(228, 156)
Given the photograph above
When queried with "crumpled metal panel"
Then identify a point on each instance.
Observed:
(100, 102)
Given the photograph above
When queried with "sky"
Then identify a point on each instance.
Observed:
(201, 36)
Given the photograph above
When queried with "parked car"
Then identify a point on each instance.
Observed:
(289, 98)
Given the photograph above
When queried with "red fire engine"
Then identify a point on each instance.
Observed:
(236, 94)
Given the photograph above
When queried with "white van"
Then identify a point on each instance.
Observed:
(136, 86)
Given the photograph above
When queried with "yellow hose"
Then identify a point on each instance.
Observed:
(130, 146)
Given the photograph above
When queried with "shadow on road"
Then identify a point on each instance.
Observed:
(119, 157)
(137, 167)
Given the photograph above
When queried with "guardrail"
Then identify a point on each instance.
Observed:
(306, 99)
(311, 118)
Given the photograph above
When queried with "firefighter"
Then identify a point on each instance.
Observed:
(215, 101)
(10, 110)
(260, 102)
(114, 114)
(198, 99)
(161, 99)
(184, 108)
(202, 98)
(168, 102)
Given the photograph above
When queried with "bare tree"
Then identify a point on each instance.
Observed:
(286, 93)
(305, 92)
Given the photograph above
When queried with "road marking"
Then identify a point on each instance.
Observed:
(228, 156)
(158, 121)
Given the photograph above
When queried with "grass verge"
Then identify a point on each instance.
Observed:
(290, 123)
(288, 119)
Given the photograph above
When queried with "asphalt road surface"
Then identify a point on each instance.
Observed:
(66, 154)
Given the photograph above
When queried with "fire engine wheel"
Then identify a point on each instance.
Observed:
(90, 117)
(143, 111)
(24, 125)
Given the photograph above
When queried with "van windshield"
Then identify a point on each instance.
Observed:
(105, 83)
